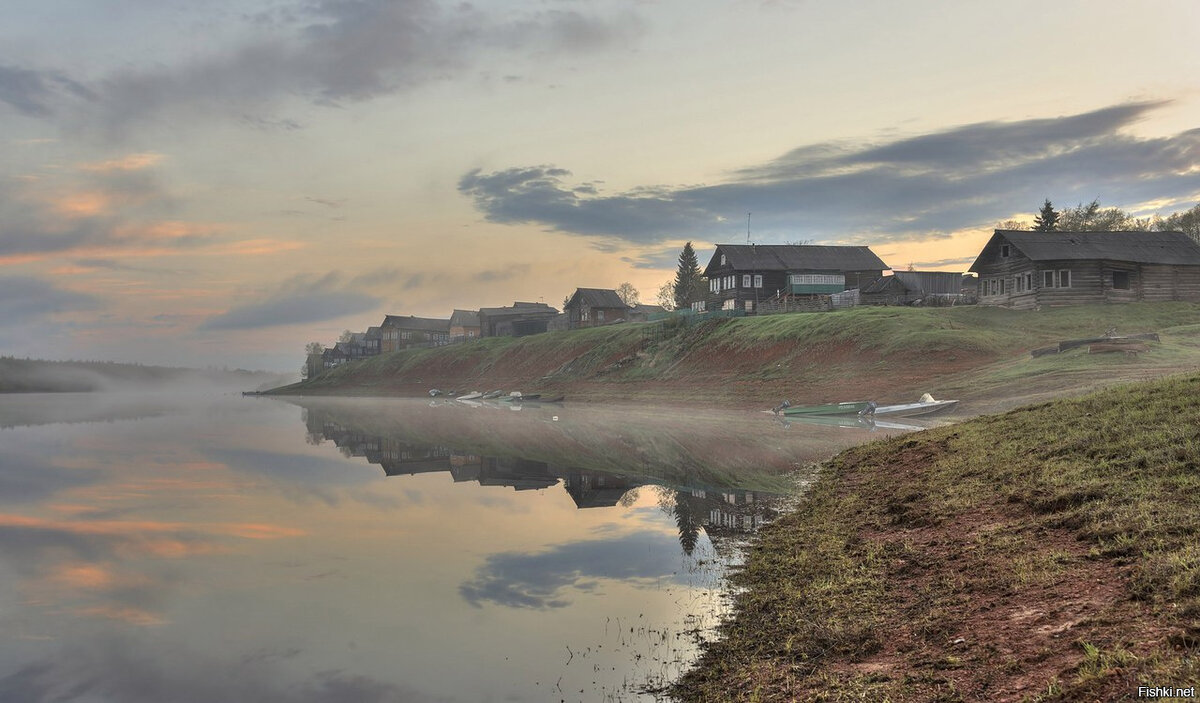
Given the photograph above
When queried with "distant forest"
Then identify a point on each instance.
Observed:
(39, 376)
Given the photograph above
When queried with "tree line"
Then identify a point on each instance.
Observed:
(1094, 217)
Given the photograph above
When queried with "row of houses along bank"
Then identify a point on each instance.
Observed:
(1016, 269)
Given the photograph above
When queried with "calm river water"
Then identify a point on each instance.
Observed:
(158, 548)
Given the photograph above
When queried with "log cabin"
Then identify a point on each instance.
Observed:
(1028, 270)
(742, 276)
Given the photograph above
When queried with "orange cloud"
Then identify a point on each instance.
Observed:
(126, 614)
(258, 246)
(132, 162)
(85, 204)
(139, 527)
(88, 576)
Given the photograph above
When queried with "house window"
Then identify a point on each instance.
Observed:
(1064, 278)
(749, 306)
(1003, 287)
(722, 259)
(714, 285)
(1004, 251)
(758, 280)
(1120, 280)
(728, 305)
(600, 316)
(1019, 286)
(745, 280)
(1029, 281)
(1047, 279)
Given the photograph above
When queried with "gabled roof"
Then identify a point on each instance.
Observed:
(374, 333)
(648, 308)
(794, 257)
(1134, 247)
(596, 298)
(464, 318)
(520, 308)
(423, 324)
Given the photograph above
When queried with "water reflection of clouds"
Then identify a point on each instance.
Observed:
(27, 478)
(541, 579)
(118, 669)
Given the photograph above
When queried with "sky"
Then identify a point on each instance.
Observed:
(218, 183)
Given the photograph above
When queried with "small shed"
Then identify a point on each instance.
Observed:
(907, 287)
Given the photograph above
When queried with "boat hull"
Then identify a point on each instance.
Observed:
(852, 408)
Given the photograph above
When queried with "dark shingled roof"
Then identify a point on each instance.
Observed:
(596, 298)
(519, 308)
(464, 318)
(1135, 247)
(796, 257)
(424, 324)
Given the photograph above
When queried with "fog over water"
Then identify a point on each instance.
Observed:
(202, 548)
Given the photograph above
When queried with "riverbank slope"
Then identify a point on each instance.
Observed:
(976, 354)
(1046, 554)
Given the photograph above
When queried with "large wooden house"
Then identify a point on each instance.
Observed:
(404, 331)
(1025, 270)
(590, 307)
(742, 276)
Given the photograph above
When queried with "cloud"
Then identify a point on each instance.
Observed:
(541, 580)
(301, 299)
(25, 298)
(916, 187)
(32, 93)
(329, 52)
(121, 668)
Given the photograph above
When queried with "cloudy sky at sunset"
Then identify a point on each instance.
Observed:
(218, 183)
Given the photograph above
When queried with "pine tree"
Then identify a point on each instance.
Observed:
(1047, 219)
(687, 278)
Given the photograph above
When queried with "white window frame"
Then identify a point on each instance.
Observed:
(1048, 279)
(1064, 275)
(746, 280)
(758, 280)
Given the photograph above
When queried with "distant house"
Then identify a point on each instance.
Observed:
(373, 341)
(404, 331)
(464, 325)
(1024, 270)
(334, 356)
(741, 276)
(905, 287)
(643, 311)
(519, 320)
(590, 307)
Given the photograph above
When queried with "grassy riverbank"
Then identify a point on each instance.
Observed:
(1049, 553)
(885, 354)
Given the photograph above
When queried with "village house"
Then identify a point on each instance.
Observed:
(742, 276)
(464, 325)
(404, 331)
(590, 307)
(519, 320)
(907, 287)
(1025, 270)
(644, 311)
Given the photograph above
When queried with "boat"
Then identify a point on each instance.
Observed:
(850, 408)
(865, 422)
(469, 396)
(491, 394)
(924, 406)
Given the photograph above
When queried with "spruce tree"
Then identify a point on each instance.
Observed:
(687, 278)
(1047, 219)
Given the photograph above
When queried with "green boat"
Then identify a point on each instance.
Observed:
(827, 409)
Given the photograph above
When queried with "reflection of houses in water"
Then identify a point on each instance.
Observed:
(720, 513)
(594, 489)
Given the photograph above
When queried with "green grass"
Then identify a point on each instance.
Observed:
(923, 534)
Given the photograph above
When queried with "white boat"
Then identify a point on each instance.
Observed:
(469, 396)
(924, 406)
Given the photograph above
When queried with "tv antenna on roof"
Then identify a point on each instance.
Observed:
(747, 228)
